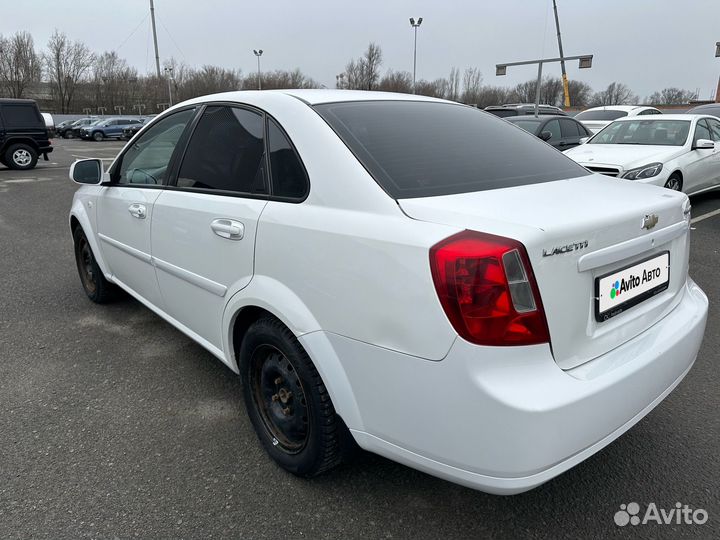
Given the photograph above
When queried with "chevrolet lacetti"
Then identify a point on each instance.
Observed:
(410, 275)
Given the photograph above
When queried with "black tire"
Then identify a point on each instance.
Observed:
(98, 136)
(21, 157)
(97, 288)
(288, 403)
(69, 135)
(674, 182)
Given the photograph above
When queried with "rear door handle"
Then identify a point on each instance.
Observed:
(228, 228)
(137, 211)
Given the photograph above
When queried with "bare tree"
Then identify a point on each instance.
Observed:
(550, 91)
(67, 64)
(671, 96)
(615, 94)
(364, 73)
(280, 79)
(20, 65)
(580, 93)
(453, 90)
(437, 88)
(113, 81)
(396, 81)
(472, 85)
(492, 95)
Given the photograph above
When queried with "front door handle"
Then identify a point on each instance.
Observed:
(228, 228)
(137, 210)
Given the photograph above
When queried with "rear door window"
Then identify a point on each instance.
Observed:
(226, 153)
(423, 148)
(569, 129)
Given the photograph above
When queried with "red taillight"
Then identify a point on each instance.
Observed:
(487, 289)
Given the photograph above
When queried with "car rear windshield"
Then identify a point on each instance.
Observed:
(424, 149)
(600, 115)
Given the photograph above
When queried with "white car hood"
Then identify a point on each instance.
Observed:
(626, 156)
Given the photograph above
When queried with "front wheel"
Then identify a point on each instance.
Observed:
(288, 403)
(674, 183)
(98, 136)
(68, 135)
(97, 288)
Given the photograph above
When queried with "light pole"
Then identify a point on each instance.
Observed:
(139, 107)
(415, 26)
(258, 53)
(584, 62)
(119, 109)
(566, 89)
(102, 110)
(717, 91)
(168, 74)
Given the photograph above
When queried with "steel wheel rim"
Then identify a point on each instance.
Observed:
(22, 157)
(85, 265)
(673, 183)
(280, 399)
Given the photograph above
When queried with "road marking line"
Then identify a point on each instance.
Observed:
(20, 180)
(705, 216)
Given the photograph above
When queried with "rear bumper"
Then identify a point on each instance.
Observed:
(505, 420)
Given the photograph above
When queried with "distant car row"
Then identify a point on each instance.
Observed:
(98, 129)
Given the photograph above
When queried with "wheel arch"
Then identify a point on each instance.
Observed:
(263, 297)
(79, 219)
(21, 140)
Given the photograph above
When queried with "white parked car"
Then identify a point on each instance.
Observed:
(677, 151)
(414, 275)
(596, 118)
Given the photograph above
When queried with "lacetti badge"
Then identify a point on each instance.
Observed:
(633, 281)
(567, 248)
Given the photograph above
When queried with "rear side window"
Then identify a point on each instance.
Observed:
(553, 126)
(503, 113)
(226, 152)
(570, 129)
(287, 172)
(21, 115)
(423, 149)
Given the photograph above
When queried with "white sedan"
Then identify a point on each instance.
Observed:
(677, 151)
(407, 274)
(597, 118)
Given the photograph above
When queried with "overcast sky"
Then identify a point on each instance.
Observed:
(647, 44)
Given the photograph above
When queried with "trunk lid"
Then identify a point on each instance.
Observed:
(575, 231)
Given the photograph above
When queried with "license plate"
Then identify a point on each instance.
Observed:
(625, 288)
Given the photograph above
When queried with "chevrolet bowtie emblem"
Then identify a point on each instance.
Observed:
(649, 221)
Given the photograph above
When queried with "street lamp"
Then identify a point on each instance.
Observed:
(258, 53)
(584, 62)
(717, 53)
(168, 73)
(415, 26)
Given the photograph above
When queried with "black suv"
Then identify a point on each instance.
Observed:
(23, 135)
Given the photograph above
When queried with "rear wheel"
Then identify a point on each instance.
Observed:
(21, 157)
(69, 135)
(674, 182)
(97, 288)
(98, 136)
(288, 403)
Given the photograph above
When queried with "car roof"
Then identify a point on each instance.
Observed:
(539, 117)
(705, 106)
(660, 118)
(626, 108)
(313, 96)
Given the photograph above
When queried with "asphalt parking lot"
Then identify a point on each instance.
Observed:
(114, 424)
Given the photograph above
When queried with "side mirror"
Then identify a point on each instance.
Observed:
(87, 171)
(583, 140)
(703, 144)
(545, 135)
